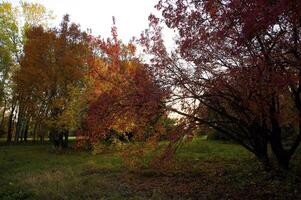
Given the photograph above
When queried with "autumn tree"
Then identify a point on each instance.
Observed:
(124, 96)
(50, 77)
(13, 23)
(239, 61)
(35, 14)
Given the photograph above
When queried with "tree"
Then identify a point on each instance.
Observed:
(237, 60)
(50, 77)
(35, 14)
(13, 23)
(8, 50)
(124, 97)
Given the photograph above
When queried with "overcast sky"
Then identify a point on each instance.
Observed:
(131, 15)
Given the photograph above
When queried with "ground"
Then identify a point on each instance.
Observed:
(201, 170)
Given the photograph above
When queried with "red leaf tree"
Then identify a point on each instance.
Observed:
(240, 61)
(125, 97)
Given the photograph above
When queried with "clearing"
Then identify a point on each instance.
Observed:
(202, 170)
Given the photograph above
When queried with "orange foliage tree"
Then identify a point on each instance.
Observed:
(50, 79)
(125, 97)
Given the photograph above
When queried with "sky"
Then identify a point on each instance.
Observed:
(131, 15)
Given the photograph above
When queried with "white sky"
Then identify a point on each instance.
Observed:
(131, 15)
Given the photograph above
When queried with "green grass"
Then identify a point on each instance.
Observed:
(200, 170)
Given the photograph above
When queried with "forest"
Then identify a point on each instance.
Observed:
(215, 116)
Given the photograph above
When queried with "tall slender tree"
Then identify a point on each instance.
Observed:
(13, 23)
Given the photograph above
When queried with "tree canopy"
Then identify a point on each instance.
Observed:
(239, 60)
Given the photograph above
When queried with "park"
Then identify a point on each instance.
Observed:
(167, 99)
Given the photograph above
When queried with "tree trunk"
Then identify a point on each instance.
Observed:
(34, 133)
(26, 132)
(262, 153)
(54, 138)
(18, 129)
(283, 157)
(42, 134)
(3, 115)
(22, 130)
(10, 124)
(9, 131)
(66, 139)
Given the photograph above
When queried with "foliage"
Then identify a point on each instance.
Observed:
(235, 68)
(8, 50)
(35, 14)
(14, 22)
(124, 97)
(52, 77)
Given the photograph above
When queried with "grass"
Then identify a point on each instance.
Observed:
(201, 170)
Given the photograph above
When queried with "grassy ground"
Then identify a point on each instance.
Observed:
(201, 170)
